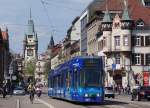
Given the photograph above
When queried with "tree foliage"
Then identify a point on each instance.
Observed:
(30, 67)
(47, 68)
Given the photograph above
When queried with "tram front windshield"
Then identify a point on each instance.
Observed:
(92, 73)
(92, 78)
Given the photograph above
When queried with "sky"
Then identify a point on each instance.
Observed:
(52, 17)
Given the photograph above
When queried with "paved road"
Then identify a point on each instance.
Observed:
(20, 102)
(45, 102)
(8, 102)
(118, 102)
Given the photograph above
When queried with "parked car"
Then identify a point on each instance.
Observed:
(109, 92)
(19, 91)
(143, 93)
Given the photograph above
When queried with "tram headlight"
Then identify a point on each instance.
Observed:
(85, 95)
(98, 95)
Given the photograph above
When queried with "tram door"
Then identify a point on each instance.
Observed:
(75, 79)
(68, 80)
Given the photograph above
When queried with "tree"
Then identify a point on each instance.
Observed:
(47, 68)
(30, 67)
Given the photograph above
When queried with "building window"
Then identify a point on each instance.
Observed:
(126, 40)
(117, 60)
(147, 59)
(30, 36)
(104, 41)
(117, 42)
(30, 52)
(146, 3)
(147, 40)
(137, 41)
(140, 23)
(137, 59)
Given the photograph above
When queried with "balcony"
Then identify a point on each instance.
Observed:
(119, 70)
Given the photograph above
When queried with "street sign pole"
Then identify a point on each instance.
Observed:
(113, 69)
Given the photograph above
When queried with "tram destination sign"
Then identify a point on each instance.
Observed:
(91, 62)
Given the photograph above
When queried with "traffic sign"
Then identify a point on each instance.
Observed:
(113, 66)
(10, 70)
(14, 77)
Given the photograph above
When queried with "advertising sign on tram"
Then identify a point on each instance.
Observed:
(146, 76)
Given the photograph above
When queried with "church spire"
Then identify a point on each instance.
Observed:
(107, 21)
(30, 25)
(125, 15)
(30, 14)
(106, 17)
(51, 43)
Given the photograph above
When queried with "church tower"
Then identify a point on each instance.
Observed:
(30, 41)
(51, 43)
(50, 46)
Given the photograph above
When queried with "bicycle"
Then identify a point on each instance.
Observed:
(31, 97)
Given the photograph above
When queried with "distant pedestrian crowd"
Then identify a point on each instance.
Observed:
(122, 90)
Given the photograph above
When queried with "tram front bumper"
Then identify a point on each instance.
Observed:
(89, 99)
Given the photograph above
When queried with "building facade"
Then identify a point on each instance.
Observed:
(92, 30)
(1, 58)
(124, 43)
(75, 33)
(4, 55)
(40, 69)
(7, 57)
(83, 41)
(85, 18)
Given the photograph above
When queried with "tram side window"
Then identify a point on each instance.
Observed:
(49, 83)
(75, 79)
(59, 81)
(52, 82)
(68, 79)
(62, 79)
(55, 82)
(82, 79)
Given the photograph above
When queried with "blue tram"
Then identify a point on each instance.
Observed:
(80, 79)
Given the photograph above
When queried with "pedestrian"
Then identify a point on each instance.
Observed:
(4, 90)
(119, 90)
(134, 93)
(128, 90)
